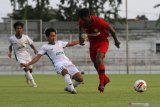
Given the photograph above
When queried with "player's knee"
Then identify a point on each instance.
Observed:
(78, 77)
(64, 72)
(80, 80)
(98, 61)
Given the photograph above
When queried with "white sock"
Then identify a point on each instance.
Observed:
(68, 81)
(76, 83)
(30, 77)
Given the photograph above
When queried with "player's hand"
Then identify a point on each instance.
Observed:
(117, 44)
(9, 55)
(84, 36)
(23, 65)
(81, 41)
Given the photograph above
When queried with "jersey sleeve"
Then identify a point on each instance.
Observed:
(62, 43)
(42, 50)
(103, 23)
(30, 41)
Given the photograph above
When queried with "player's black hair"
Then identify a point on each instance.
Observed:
(18, 24)
(49, 30)
(83, 12)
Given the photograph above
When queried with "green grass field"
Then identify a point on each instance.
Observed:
(14, 92)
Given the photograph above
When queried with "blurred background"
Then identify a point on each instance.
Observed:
(137, 27)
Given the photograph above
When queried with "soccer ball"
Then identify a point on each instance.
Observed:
(140, 86)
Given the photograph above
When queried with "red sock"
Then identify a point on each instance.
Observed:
(106, 79)
(101, 79)
(101, 73)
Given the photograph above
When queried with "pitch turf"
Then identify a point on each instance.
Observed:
(14, 92)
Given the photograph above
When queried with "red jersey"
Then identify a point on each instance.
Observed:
(97, 30)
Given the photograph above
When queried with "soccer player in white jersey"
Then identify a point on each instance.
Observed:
(54, 50)
(19, 43)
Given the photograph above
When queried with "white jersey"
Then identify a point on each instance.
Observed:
(20, 47)
(55, 52)
(57, 56)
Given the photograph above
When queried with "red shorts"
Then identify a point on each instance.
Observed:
(98, 47)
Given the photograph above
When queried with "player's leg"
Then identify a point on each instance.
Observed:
(30, 77)
(68, 81)
(93, 55)
(101, 70)
(103, 47)
(30, 70)
(106, 78)
(78, 79)
(75, 74)
(27, 80)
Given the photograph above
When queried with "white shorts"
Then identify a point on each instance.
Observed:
(71, 68)
(25, 59)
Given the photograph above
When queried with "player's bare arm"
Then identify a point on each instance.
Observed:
(34, 49)
(72, 43)
(34, 60)
(76, 42)
(81, 40)
(113, 33)
(10, 51)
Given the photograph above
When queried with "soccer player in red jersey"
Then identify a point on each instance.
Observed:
(97, 30)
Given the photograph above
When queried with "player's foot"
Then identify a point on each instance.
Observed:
(106, 80)
(105, 83)
(34, 85)
(72, 92)
(101, 88)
